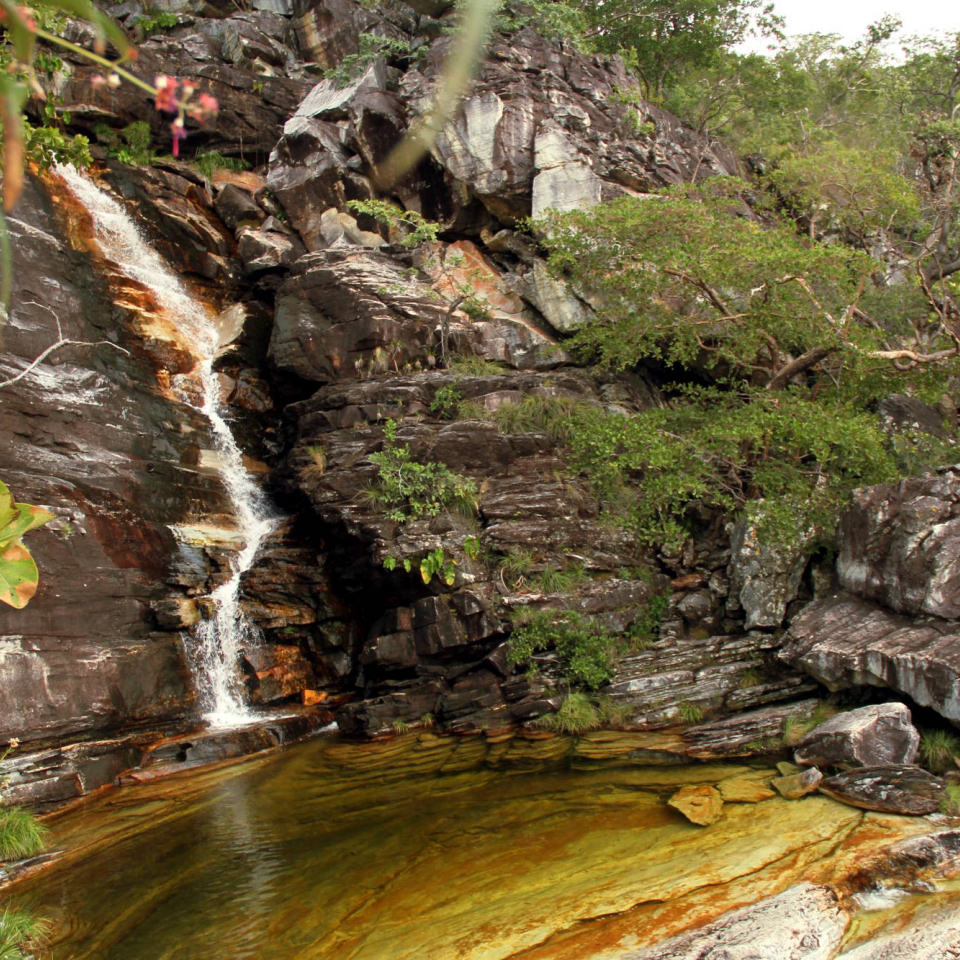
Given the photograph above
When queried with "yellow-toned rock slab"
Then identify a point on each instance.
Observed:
(744, 790)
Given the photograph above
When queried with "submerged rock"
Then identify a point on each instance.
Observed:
(701, 805)
(743, 790)
(889, 789)
(869, 736)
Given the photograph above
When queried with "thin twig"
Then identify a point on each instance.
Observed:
(61, 341)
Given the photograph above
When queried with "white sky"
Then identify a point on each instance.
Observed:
(850, 18)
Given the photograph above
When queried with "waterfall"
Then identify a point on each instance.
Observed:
(217, 643)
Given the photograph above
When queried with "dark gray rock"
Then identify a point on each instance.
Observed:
(764, 577)
(867, 737)
(889, 789)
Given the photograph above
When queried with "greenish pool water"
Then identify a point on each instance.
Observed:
(420, 848)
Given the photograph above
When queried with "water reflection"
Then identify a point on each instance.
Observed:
(413, 850)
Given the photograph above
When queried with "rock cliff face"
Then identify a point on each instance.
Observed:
(352, 348)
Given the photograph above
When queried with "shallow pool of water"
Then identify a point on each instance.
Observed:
(421, 848)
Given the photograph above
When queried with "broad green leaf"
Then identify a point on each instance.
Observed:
(25, 517)
(18, 576)
(7, 511)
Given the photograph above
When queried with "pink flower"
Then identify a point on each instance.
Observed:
(205, 107)
(97, 80)
(166, 93)
(179, 133)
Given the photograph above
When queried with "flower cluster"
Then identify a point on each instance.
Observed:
(174, 96)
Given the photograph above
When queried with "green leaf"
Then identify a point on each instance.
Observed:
(24, 518)
(19, 576)
(7, 510)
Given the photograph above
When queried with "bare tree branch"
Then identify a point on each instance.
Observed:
(61, 341)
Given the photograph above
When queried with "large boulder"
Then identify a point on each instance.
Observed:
(765, 577)
(893, 788)
(867, 737)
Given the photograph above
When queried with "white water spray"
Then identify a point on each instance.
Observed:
(218, 642)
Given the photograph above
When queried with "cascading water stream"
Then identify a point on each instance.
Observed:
(218, 641)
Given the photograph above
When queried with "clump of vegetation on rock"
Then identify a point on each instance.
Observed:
(939, 749)
(413, 227)
(584, 649)
(20, 834)
(20, 934)
(407, 488)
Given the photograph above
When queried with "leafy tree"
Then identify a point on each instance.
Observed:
(855, 192)
(660, 39)
(777, 353)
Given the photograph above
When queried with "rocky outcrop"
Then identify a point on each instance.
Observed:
(844, 642)
(805, 922)
(900, 545)
(90, 433)
(244, 58)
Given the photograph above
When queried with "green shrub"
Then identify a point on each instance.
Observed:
(690, 712)
(535, 413)
(556, 580)
(515, 567)
(950, 804)
(20, 934)
(210, 161)
(644, 630)
(371, 47)
(409, 489)
(415, 227)
(471, 365)
(157, 23)
(577, 714)
(584, 648)
(446, 402)
(47, 145)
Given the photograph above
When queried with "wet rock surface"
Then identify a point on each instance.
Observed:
(891, 789)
